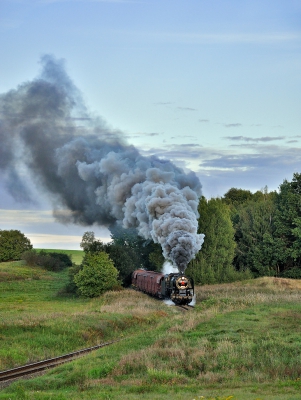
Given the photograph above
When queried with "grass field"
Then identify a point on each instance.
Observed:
(242, 341)
(75, 255)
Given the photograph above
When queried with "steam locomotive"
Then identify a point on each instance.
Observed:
(175, 286)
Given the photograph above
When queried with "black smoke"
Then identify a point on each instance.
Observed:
(88, 169)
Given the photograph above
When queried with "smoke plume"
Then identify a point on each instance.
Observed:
(87, 168)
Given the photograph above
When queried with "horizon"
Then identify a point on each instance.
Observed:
(212, 87)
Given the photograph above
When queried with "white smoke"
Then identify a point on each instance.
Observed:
(91, 171)
(168, 268)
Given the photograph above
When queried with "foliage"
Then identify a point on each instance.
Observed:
(53, 261)
(156, 259)
(30, 257)
(213, 264)
(125, 261)
(12, 244)
(268, 231)
(71, 286)
(146, 251)
(90, 244)
(87, 240)
(97, 275)
(62, 257)
(256, 244)
(292, 273)
(236, 196)
(127, 250)
(288, 223)
(241, 339)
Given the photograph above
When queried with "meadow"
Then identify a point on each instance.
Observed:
(75, 255)
(241, 341)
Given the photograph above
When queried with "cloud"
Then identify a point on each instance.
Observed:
(251, 165)
(250, 139)
(152, 134)
(44, 232)
(139, 135)
(203, 120)
(186, 109)
(25, 217)
(235, 125)
(186, 137)
(64, 242)
(179, 152)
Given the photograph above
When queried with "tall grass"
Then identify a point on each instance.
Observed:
(241, 339)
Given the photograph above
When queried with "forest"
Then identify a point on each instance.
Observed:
(250, 233)
(246, 235)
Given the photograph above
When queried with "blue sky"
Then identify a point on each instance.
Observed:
(214, 86)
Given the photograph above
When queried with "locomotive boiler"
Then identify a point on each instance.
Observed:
(175, 286)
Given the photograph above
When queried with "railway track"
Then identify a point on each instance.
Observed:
(186, 307)
(33, 368)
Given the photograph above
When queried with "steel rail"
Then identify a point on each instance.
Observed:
(185, 307)
(39, 366)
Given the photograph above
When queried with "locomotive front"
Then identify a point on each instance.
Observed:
(180, 288)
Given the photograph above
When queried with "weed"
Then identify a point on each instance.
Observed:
(241, 338)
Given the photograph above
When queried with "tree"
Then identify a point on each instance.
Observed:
(288, 224)
(87, 240)
(97, 275)
(156, 258)
(257, 247)
(213, 263)
(236, 196)
(127, 250)
(125, 261)
(12, 244)
(145, 253)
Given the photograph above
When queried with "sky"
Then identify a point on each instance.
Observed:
(213, 86)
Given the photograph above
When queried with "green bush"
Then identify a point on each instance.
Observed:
(50, 261)
(62, 257)
(97, 275)
(13, 244)
(292, 273)
(71, 286)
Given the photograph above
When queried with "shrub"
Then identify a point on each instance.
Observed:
(62, 257)
(97, 275)
(292, 273)
(71, 286)
(13, 243)
(30, 257)
(50, 261)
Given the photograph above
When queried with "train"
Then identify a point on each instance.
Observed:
(175, 286)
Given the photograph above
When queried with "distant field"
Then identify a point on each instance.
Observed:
(240, 342)
(76, 255)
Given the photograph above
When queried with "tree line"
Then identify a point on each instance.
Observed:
(250, 234)
(246, 235)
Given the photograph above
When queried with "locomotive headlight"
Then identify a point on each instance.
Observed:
(182, 282)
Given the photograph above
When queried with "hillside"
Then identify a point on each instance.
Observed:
(241, 340)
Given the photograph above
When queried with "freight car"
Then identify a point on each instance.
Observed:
(176, 286)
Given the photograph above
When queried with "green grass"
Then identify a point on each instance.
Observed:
(75, 255)
(241, 342)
